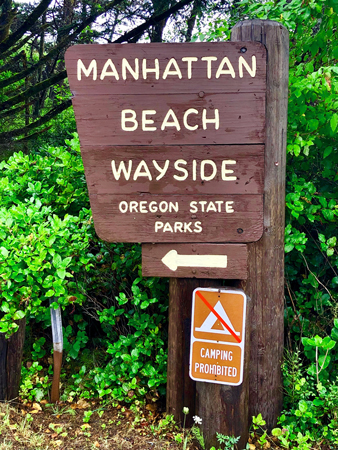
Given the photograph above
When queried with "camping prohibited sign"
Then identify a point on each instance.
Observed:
(217, 336)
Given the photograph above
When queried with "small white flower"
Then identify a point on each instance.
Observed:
(185, 410)
(197, 420)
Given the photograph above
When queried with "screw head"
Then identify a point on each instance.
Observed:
(243, 50)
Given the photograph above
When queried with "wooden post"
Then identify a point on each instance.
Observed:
(10, 362)
(181, 389)
(225, 408)
(265, 283)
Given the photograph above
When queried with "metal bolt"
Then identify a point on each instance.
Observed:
(239, 230)
(243, 50)
(201, 94)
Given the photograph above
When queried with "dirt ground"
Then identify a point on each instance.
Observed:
(86, 425)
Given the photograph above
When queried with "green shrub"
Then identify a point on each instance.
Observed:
(114, 320)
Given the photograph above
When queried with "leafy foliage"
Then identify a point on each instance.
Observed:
(49, 253)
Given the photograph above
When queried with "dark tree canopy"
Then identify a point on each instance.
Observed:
(34, 38)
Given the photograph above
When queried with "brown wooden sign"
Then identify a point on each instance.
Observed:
(172, 138)
(217, 336)
(222, 261)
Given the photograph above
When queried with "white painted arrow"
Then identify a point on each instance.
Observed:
(173, 260)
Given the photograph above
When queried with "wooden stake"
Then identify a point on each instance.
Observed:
(265, 283)
(56, 322)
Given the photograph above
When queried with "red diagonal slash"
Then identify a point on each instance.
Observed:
(218, 316)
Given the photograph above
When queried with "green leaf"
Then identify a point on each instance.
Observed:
(49, 293)
(289, 247)
(57, 261)
(302, 405)
(276, 432)
(334, 333)
(61, 273)
(327, 152)
(334, 121)
(313, 124)
(18, 315)
(4, 252)
(324, 361)
(5, 307)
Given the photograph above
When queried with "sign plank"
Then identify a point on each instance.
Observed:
(193, 73)
(228, 119)
(162, 131)
(222, 261)
(178, 218)
(162, 172)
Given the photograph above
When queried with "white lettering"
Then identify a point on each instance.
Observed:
(122, 168)
(214, 170)
(224, 170)
(146, 122)
(123, 207)
(167, 71)
(205, 120)
(185, 119)
(251, 70)
(126, 65)
(181, 169)
(209, 59)
(189, 60)
(112, 73)
(138, 172)
(92, 67)
(229, 70)
(193, 207)
(174, 122)
(131, 119)
(228, 207)
(159, 169)
(146, 70)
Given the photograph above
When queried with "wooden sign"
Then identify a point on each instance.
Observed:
(217, 336)
(222, 261)
(162, 128)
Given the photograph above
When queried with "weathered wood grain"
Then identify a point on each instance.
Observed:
(3, 363)
(249, 169)
(225, 408)
(10, 362)
(242, 225)
(164, 52)
(14, 359)
(152, 265)
(265, 283)
(241, 119)
(181, 389)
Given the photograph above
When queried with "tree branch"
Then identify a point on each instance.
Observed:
(17, 47)
(152, 21)
(33, 90)
(26, 26)
(46, 118)
(13, 111)
(34, 135)
(60, 46)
